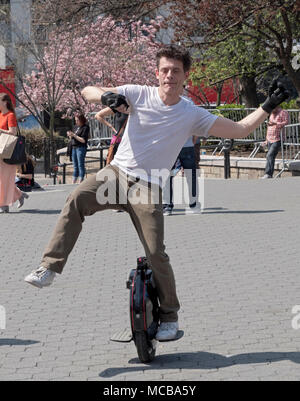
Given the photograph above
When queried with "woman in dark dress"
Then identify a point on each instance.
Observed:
(25, 175)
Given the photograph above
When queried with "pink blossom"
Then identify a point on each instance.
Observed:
(98, 53)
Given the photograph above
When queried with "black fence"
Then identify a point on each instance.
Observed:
(50, 148)
(43, 149)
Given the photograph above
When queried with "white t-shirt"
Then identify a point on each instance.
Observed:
(189, 143)
(155, 133)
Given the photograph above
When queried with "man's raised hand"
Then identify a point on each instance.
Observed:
(277, 94)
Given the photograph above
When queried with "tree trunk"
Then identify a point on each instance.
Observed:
(219, 93)
(51, 138)
(248, 91)
(237, 93)
(293, 74)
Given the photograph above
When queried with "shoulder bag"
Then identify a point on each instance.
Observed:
(7, 145)
(18, 155)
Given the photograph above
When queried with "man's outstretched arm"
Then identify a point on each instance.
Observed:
(108, 97)
(93, 93)
(226, 128)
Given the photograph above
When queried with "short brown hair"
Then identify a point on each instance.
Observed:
(81, 119)
(177, 53)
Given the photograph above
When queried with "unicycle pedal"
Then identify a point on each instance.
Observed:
(123, 336)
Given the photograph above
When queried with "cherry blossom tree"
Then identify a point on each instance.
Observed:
(56, 11)
(103, 53)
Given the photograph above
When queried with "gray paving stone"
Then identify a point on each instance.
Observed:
(237, 273)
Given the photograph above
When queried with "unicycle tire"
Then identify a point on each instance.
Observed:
(146, 353)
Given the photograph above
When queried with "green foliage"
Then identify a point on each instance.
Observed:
(289, 105)
(239, 56)
(35, 141)
(234, 112)
(234, 57)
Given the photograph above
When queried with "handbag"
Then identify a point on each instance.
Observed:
(19, 154)
(111, 149)
(24, 187)
(7, 145)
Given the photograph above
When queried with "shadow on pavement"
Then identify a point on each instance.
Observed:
(221, 210)
(245, 211)
(15, 341)
(203, 360)
(38, 211)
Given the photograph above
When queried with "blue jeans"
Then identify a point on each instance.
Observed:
(273, 149)
(188, 162)
(78, 157)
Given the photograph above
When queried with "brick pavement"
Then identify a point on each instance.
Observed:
(237, 272)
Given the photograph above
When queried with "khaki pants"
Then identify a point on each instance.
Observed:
(147, 218)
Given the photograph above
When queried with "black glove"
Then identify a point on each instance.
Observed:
(113, 100)
(277, 94)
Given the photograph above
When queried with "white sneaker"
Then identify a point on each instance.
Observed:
(266, 176)
(193, 210)
(167, 211)
(21, 200)
(167, 331)
(41, 277)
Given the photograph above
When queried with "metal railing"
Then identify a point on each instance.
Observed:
(258, 136)
(55, 168)
(51, 147)
(237, 114)
(290, 146)
(255, 138)
(99, 131)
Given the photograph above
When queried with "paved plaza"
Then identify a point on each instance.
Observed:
(237, 268)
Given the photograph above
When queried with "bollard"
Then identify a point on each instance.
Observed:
(64, 173)
(101, 158)
(227, 146)
(226, 164)
(54, 173)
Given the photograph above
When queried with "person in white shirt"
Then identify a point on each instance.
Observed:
(160, 122)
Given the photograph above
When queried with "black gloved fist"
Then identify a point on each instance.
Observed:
(113, 100)
(277, 94)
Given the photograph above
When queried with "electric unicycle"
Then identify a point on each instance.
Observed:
(144, 312)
